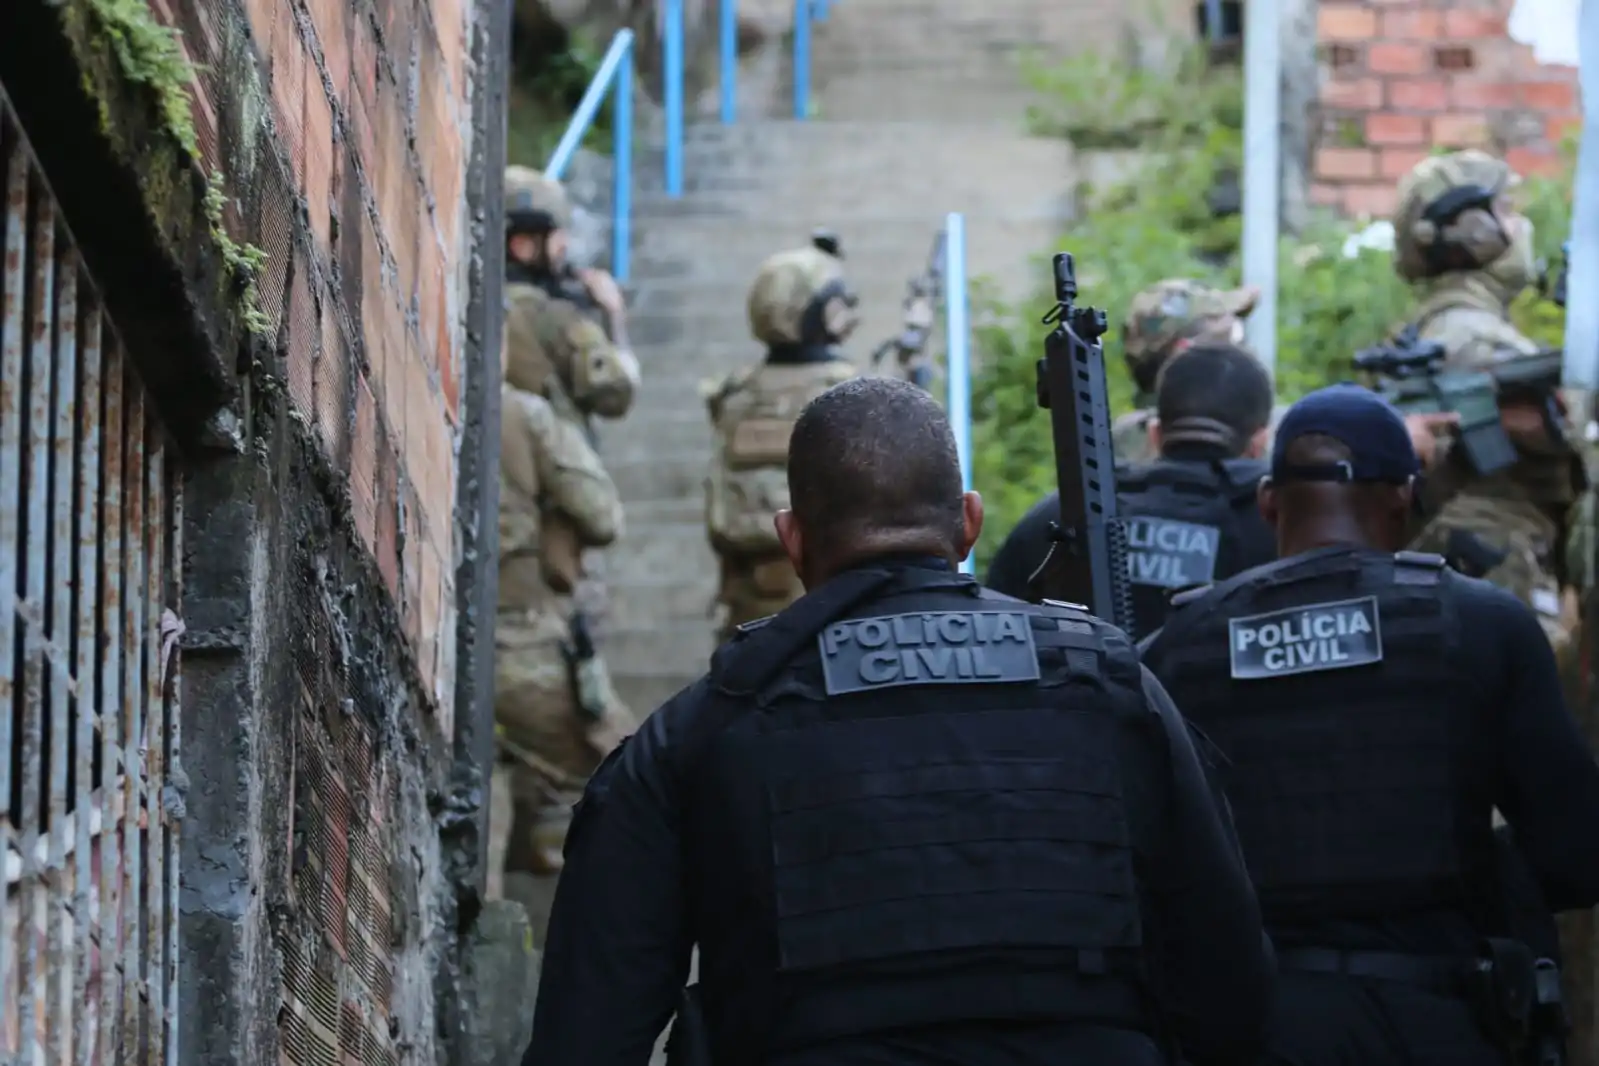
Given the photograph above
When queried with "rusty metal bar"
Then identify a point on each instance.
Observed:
(114, 568)
(133, 514)
(63, 431)
(85, 901)
(36, 466)
(11, 304)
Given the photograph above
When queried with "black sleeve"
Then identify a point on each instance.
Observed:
(1550, 792)
(1024, 549)
(1216, 965)
(619, 943)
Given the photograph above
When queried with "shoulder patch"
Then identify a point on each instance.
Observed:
(928, 648)
(1303, 640)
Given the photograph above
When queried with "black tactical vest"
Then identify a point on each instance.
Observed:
(916, 816)
(1189, 522)
(1334, 683)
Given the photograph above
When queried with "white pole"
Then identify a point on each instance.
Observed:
(1582, 283)
(1262, 169)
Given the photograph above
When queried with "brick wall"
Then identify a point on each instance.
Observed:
(350, 175)
(1402, 77)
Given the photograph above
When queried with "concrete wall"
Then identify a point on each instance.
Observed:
(1402, 78)
(331, 401)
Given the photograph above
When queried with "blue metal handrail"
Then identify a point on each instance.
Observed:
(803, 11)
(958, 351)
(672, 92)
(616, 77)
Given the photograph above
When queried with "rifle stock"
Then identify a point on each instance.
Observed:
(1087, 563)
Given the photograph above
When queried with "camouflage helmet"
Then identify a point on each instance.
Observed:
(555, 346)
(1434, 193)
(789, 294)
(534, 203)
(1174, 310)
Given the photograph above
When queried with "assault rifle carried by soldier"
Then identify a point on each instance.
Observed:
(909, 348)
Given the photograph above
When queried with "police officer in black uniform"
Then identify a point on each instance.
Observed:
(1191, 514)
(905, 820)
(1374, 707)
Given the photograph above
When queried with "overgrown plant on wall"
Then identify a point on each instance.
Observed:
(1186, 122)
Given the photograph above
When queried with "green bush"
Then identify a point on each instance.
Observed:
(546, 87)
(1157, 223)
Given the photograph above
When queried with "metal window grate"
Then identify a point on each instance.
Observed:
(90, 564)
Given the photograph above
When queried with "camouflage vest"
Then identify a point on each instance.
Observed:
(753, 413)
(522, 584)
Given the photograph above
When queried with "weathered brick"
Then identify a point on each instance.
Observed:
(1393, 57)
(1545, 162)
(1389, 129)
(387, 503)
(288, 88)
(1417, 24)
(1353, 94)
(333, 390)
(1460, 131)
(410, 217)
(1371, 201)
(1419, 94)
(1469, 24)
(397, 356)
(1323, 194)
(261, 15)
(432, 614)
(1345, 22)
(1559, 97)
(1470, 94)
(330, 19)
(363, 59)
(413, 548)
(1397, 162)
(1345, 163)
(319, 164)
(363, 464)
(371, 289)
(305, 335)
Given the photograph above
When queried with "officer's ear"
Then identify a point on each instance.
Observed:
(1266, 500)
(790, 537)
(1154, 434)
(971, 523)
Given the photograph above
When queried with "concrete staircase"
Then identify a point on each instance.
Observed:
(920, 111)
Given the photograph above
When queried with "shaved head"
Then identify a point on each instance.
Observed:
(872, 470)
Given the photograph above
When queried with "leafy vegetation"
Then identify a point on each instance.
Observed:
(549, 77)
(1158, 222)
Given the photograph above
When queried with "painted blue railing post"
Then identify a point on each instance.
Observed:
(802, 58)
(622, 175)
(616, 70)
(819, 10)
(672, 78)
(729, 57)
(958, 352)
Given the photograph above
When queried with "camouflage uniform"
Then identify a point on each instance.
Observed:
(1466, 269)
(800, 308)
(548, 472)
(1161, 321)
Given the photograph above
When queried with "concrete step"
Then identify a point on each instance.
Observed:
(670, 476)
(674, 654)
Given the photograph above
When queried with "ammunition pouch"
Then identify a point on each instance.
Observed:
(560, 554)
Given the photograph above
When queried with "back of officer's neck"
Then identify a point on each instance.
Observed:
(1189, 451)
(928, 551)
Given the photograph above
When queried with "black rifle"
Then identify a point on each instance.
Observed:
(921, 299)
(1087, 561)
(583, 668)
(689, 1043)
(1411, 374)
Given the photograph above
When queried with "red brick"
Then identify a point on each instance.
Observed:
(332, 390)
(1389, 57)
(398, 354)
(363, 58)
(1418, 94)
(363, 464)
(288, 89)
(1345, 22)
(261, 18)
(330, 20)
(1371, 201)
(319, 160)
(432, 615)
(1556, 96)
(1528, 162)
(412, 549)
(304, 339)
(1344, 163)
(387, 506)
(1324, 195)
(1397, 162)
(1471, 94)
(1474, 25)
(1412, 25)
(1357, 94)
(1460, 131)
(1387, 129)
(371, 309)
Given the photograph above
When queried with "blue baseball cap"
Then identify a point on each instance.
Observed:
(1368, 425)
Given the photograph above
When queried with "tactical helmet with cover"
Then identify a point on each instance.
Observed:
(555, 350)
(1448, 220)
(1175, 310)
(534, 203)
(801, 297)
